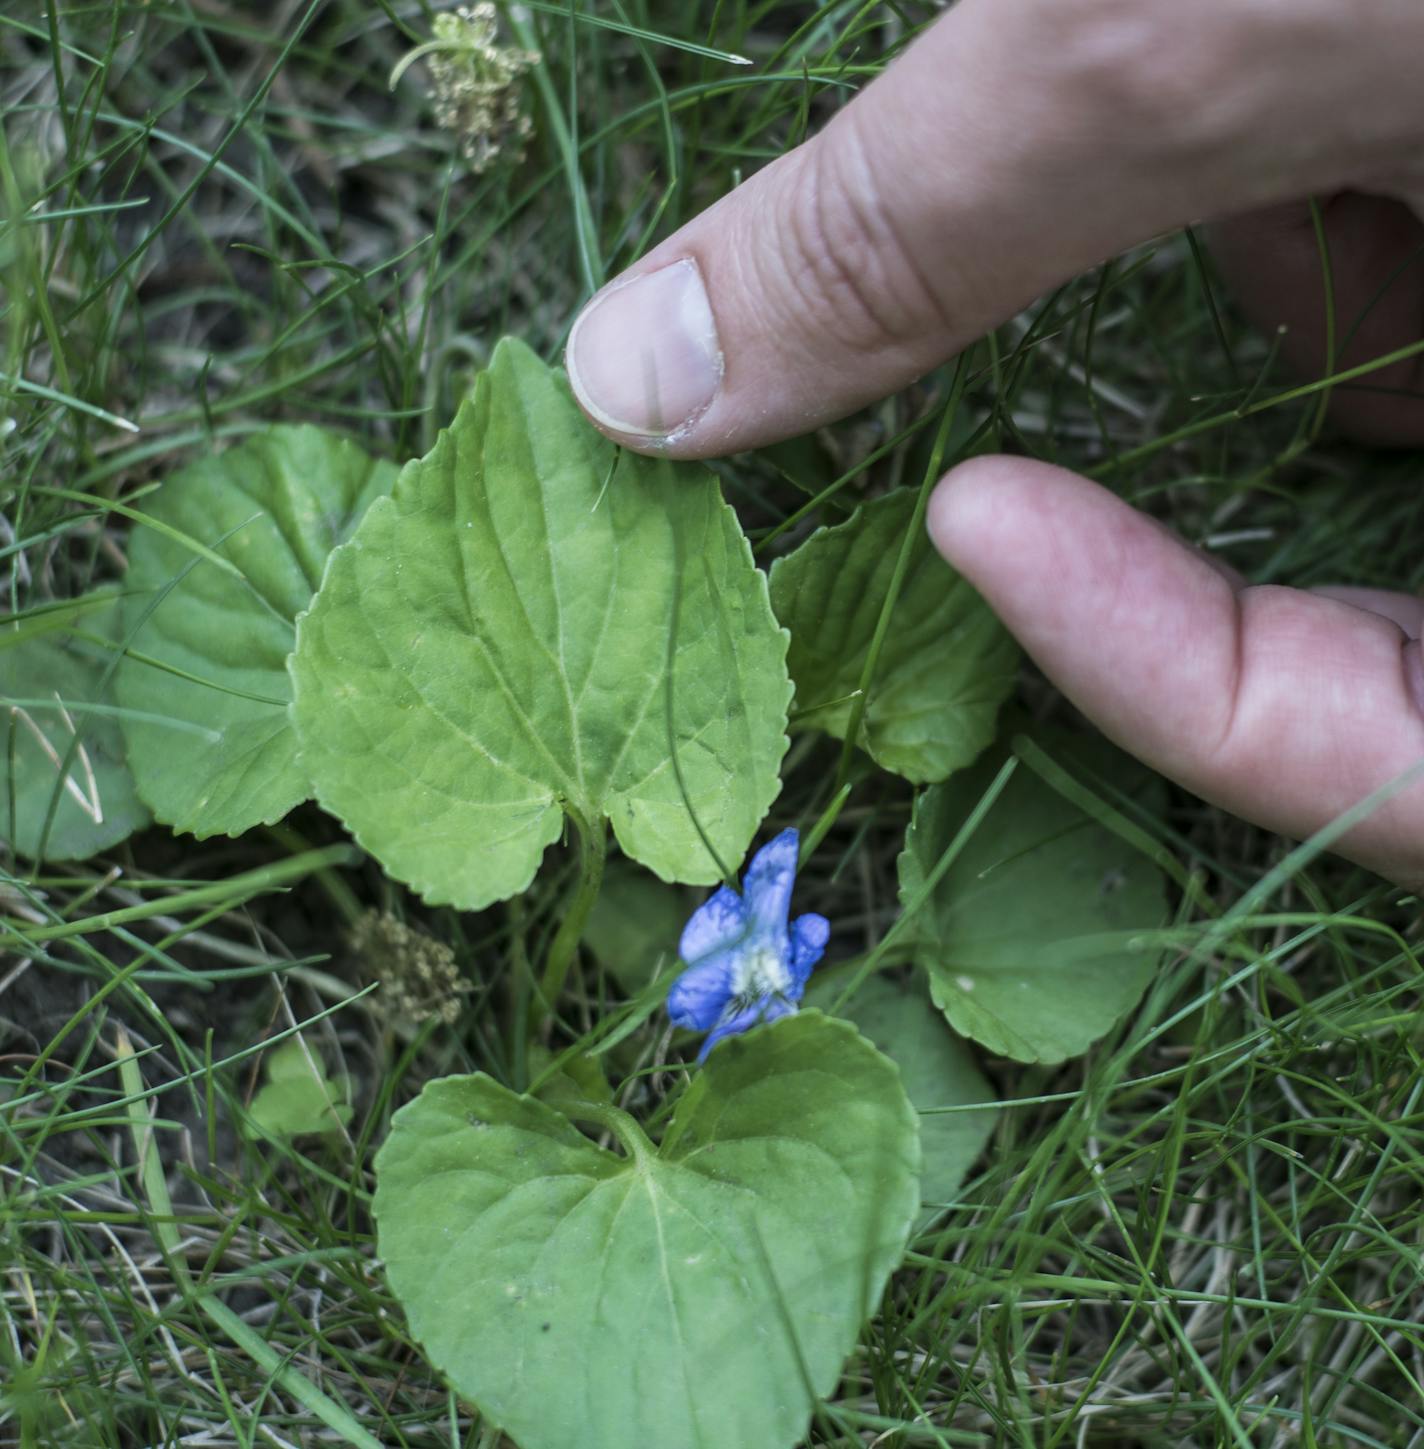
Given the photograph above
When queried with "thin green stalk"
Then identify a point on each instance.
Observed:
(1096, 808)
(1233, 415)
(147, 520)
(348, 906)
(623, 27)
(1089, 379)
(821, 828)
(619, 1123)
(831, 489)
(1327, 279)
(240, 888)
(593, 845)
(1213, 312)
(518, 993)
(590, 257)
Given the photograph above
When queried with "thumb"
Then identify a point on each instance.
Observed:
(1015, 144)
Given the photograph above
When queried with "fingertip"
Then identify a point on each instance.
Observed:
(952, 509)
(1115, 609)
(995, 516)
(971, 503)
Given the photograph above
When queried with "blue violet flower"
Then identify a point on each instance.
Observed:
(744, 963)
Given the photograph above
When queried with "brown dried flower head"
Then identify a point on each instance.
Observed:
(474, 83)
(418, 975)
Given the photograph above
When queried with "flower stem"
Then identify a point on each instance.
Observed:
(520, 990)
(593, 844)
(821, 828)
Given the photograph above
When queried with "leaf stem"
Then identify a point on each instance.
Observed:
(521, 989)
(618, 1122)
(821, 828)
(593, 841)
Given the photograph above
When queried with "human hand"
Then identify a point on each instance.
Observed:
(1017, 143)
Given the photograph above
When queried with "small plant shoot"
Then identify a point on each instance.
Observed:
(298, 1099)
(531, 638)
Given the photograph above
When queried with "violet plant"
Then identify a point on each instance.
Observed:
(529, 636)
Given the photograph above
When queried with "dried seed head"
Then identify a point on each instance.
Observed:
(418, 975)
(474, 84)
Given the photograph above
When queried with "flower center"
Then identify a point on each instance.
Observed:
(763, 973)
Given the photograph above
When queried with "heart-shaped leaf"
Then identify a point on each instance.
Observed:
(62, 755)
(275, 506)
(938, 1069)
(525, 629)
(1027, 938)
(945, 666)
(702, 1294)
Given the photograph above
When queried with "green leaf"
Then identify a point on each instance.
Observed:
(491, 651)
(635, 925)
(946, 665)
(298, 1098)
(275, 506)
(580, 1079)
(938, 1069)
(46, 681)
(1028, 938)
(700, 1295)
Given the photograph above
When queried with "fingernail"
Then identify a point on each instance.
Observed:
(643, 357)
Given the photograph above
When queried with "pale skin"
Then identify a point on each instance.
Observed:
(1016, 144)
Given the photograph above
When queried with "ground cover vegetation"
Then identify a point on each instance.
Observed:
(375, 732)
